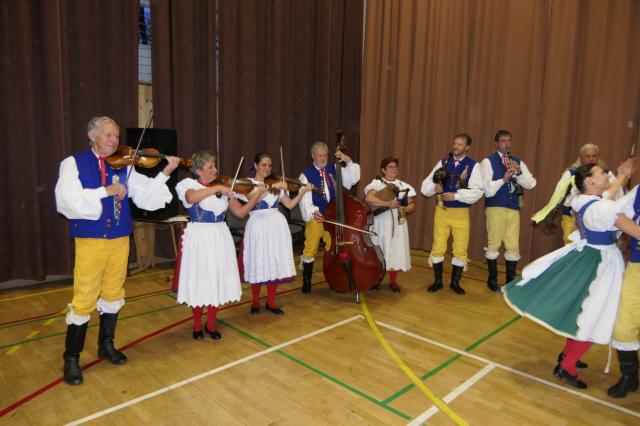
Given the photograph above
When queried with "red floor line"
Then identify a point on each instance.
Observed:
(56, 313)
(59, 380)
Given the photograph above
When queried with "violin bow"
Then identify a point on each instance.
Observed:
(282, 163)
(135, 153)
(235, 177)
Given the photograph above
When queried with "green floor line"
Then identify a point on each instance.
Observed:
(318, 372)
(451, 360)
(35, 339)
(133, 299)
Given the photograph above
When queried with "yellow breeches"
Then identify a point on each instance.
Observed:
(100, 271)
(313, 233)
(451, 221)
(627, 328)
(568, 225)
(503, 225)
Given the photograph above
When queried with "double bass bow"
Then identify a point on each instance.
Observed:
(353, 263)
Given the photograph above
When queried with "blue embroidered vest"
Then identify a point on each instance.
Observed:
(106, 226)
(598, 238)
(198, 214)
(313, 176)
(454, 182)
(502, 198)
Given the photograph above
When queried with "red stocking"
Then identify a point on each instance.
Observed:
(197, 318)
(212, 311)
(255, 290)
(573, 353)
(271, 295)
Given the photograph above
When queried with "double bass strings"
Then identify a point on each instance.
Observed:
(404, 367)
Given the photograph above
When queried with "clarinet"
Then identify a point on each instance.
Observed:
(517, 188)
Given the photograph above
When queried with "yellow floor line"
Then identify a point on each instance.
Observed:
(12, 350)
(24, 296)
(34, 333)
(415, 379)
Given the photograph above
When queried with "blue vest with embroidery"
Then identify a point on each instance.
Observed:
(635, 251)
(262, 205)
(502, 198)
(597, 238)
(454, 183)
(106, 226)
(567, 209)
(313, 176)
(198, 214)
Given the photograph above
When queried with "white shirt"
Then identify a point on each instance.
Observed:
(525, 179)
(350, 176)
(76, 202)
(470, 195)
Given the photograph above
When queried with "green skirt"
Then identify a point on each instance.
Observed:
(555, 297)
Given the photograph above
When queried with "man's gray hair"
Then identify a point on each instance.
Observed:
(96, 122)
(317, 146)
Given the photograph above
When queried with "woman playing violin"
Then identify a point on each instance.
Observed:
(388, 221)
(209, 270)
(268, 253)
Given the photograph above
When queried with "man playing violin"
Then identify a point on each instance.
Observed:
(313, 205)
(95, 199)
(461, 188)
(504, 178)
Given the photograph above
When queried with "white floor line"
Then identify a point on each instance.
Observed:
(511, 370)
(452, 395)
(212, 372)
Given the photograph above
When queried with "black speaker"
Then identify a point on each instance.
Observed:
(165, 141)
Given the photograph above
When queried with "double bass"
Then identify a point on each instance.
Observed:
(353, 263)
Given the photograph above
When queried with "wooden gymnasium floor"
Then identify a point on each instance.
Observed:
(317, 364)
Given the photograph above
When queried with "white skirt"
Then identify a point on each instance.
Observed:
(397, 254)
(268, 252)
(209, 269)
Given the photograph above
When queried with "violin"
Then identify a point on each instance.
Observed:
(293, 185)
(147, 158)
(242, 185)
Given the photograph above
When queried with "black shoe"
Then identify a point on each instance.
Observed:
(629, 381)
(456, 275)
(198, 335)
(492, 280)
(72, 371)
(510, 270)
(437, 273)
(106, 347)
(255, 310)
(276, 311)
(395, 288)
(579, 364)
(215, 334)
(306, 277)
(571, 380)
(74, 344)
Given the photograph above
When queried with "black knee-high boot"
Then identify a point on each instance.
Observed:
(456, 274)
(106, 348)
(73, 345)
(437, 272)
(629, 380)
(511, 270)
(306, 276)
(492, 281)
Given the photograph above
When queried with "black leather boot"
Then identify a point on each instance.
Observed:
(492, 281)
(511, 270)
(106, 348)
(437, 272)
(629, 380)
(73, 345)
(456, 274)
(306, 277)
